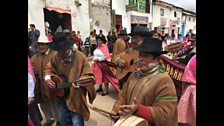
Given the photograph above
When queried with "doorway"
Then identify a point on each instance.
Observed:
(118, 22)
(56, 19)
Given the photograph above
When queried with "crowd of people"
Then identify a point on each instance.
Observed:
(146, 90)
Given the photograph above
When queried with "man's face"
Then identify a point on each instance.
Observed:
(32, 28)
(145, 59)
(155, 35)
(42, 47)
(63, 53)
(136, 41)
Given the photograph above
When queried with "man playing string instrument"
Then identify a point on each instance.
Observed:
(149, 92)
(138, 34)
(73, 64)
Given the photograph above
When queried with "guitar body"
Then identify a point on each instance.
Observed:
(132, 63)
(57, 92)
(131, 120)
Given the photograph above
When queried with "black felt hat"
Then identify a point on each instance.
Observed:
(142, 31)
(61, 42)
(152, 45)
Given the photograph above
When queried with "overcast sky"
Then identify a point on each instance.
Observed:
(186, 4)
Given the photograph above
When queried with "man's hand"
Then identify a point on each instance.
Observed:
(50, 83)
(30, 100)
(115, 115)
(122, 63)
(129, 109)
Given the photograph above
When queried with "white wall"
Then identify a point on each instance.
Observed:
(190, 24)
(80, 19)
(119, 6)
(120, 9)
(101, 12)
(168, 14)
(36, 14)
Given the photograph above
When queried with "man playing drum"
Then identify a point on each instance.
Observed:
(149, 92)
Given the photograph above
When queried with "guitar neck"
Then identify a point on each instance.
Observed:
(64, 85)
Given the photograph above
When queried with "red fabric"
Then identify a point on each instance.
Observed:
(30, 122)
(98, 73)
(120, 28)
(104, 74)
(50, 37)
(128, 45)
(145, 113)
(77, 40)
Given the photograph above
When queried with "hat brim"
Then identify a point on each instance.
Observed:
(154, 52)
(57, 46)
(144, 34)
(46, 42)
(122, 34)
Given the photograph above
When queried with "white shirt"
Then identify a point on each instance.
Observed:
(98, 54)
(31, 85)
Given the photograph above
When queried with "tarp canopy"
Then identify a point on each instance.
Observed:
(59, 10)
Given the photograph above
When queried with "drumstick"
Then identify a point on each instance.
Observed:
(101, 110)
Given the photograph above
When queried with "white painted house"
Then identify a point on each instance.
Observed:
(129, 13)
(188, 22)
(70, 14)
(166, 17)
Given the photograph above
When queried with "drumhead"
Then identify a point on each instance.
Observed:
(131, 120)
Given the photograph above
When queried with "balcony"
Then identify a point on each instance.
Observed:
(139, 6)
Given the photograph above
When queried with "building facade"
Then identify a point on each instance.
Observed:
(126, 14)
(60, 14)
(188, 22)
(100, 15)
(166, 17)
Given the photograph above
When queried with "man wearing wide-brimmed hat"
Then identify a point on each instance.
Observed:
(119, 45)
(138, 34)
(39, 60)
(74, 66)
(149, 92)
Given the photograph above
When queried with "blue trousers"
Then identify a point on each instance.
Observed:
(67, 117)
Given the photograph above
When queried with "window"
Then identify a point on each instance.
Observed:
(189, 18)
(175, 14)
(161, 12)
